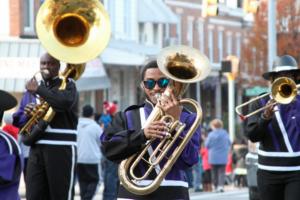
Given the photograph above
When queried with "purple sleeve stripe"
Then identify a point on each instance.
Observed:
(129, 120)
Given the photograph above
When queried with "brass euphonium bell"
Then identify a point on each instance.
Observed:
(184, 65)
(73, 31)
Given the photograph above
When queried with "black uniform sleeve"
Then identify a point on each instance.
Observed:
(59, 100)
(256, 125)
(119, 143)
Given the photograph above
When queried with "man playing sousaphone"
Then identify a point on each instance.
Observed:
(51, 162)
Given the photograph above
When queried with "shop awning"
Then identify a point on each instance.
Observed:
(15, 71)
(116, 53)
(115, 56)
(155, 11)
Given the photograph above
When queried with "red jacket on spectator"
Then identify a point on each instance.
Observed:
(12, 130)
(204, 155)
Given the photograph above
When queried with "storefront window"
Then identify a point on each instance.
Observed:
(28, 17)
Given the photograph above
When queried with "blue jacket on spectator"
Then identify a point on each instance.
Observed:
(218, 144)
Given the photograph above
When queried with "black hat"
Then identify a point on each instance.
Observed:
(282, 64)
(87, 111)
(7, 101)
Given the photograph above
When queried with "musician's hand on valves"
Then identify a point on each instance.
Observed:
(269, 111)
(156, 129)
(29, 108)
(32, 85)
(170, 105)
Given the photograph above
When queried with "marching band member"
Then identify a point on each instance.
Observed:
(11, 159)
(125, 136)
(277, 129)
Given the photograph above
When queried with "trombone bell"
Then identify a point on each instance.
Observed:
(283, 90)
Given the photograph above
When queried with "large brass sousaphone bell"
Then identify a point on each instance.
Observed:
(73, 31)
(184, 65)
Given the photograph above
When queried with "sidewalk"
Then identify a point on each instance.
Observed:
(98, 196)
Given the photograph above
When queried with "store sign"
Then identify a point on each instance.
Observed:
(255, 91)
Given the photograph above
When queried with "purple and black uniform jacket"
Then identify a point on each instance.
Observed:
(279, 137)
(19, 118)
(124, 137)
(11, 165)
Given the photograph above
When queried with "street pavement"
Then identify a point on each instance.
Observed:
(230, 192)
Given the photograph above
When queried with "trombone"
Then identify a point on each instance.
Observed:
(283, 90)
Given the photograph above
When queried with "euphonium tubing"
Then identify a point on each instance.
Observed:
(125, 166)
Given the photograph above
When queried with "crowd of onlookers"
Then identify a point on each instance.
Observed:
(221, 162)
(92, 168)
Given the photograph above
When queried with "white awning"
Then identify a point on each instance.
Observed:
(120, 57)
(116, 53)
(155, 11)
(15, 71)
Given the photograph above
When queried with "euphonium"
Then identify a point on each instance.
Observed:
(183, 65)
(73, 31)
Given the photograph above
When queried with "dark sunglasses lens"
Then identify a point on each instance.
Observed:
(163, 82)
(149, 84)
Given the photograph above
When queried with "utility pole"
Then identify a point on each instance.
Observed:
(231, 106)
(231, 76)
(272, 35)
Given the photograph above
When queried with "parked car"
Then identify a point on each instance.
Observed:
(251, 165)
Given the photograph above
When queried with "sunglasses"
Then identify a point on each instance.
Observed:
(162, 83)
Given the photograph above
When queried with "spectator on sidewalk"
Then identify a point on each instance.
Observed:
(198, 169)
(218, 144)
(206, 177)
(9, 127)
(89, 154)
(110, 169)
(239, 160)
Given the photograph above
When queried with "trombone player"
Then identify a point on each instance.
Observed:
(277, 129)
(126, 136)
